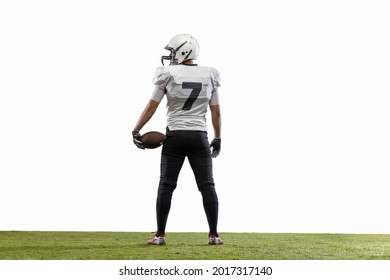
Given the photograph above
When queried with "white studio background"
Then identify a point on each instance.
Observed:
(305, 107)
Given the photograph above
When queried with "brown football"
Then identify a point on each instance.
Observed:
(153, 139)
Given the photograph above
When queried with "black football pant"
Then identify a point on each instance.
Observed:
(195, 146)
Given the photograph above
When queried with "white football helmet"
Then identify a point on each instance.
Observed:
(182, 47)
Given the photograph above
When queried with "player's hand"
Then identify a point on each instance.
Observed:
(137, 139)
(216, 147)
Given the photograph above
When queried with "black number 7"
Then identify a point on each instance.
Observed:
(196, 88)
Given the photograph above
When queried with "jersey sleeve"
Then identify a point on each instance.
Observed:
(160, 77)
(216, 82)
(158, 94)
(214, 97)
(160, 81)
(216, 78)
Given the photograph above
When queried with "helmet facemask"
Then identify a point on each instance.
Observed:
(171, 57)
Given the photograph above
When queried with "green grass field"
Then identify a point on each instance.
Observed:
(24, 245)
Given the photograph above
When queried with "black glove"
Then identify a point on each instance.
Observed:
(137, 139)
(216, 147)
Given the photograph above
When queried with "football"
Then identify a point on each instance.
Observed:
(153, 139)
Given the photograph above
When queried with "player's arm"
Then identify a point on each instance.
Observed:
(216, 121)
(215, 115)
(147, 114)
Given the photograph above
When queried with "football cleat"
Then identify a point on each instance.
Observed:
(157, 240)
(215, 240)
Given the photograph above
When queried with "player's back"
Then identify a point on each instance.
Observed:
(189, 89)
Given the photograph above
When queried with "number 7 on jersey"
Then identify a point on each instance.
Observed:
(196, 89)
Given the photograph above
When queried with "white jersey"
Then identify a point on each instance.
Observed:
(190, 89)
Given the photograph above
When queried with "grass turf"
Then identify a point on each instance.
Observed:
(25, 245)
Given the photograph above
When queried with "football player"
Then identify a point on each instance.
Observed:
(190, 90)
